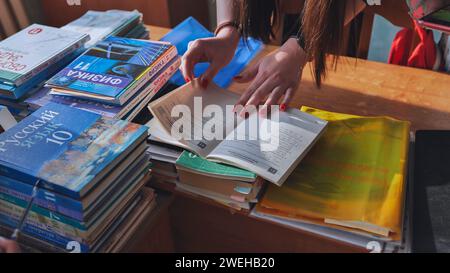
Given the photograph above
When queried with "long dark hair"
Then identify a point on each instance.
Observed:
(322, 27)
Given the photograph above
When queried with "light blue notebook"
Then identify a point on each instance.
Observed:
(190, 30)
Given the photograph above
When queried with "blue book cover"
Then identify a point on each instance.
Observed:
(112, 69)
(68, 149)
(190, 30)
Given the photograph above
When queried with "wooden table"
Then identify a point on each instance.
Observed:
(357, 87)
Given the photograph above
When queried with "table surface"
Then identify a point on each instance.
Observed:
(369, 88)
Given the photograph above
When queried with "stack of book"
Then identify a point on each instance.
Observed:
(30, 57)
(163, 158)
(352, 185)
(102, 24)
(227, 185)
(88, 175)
(230, 171)
(116, 78)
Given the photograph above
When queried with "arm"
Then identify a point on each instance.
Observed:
(218, 51)
(277, 76)
(225, 11)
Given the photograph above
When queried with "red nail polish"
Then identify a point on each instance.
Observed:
(187, 80)
(283, 107)
(238, 77)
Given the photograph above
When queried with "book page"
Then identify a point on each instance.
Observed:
(277, 151)
(171, 109)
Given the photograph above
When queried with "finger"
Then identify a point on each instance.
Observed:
(248, 74)
(261, 92)
(209, 74)
(187, 69)
(258, 96)
(243, 99)
(273, 99)
(190, 59)
(287, 98)
(275, 96)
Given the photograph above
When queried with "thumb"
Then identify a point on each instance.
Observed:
(248, 75)
(209, 75)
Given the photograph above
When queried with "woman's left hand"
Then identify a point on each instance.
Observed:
(275, 77)
(8, 246)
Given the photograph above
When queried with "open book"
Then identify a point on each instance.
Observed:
(271, 147)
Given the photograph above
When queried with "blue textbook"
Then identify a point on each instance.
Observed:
(190, 30)
(113, 70)
(67, 149)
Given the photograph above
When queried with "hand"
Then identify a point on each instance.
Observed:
(8, 246)
(218, 51)
(276, 75)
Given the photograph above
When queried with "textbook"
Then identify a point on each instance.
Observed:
(273, 154)
(33, 49)
(237, 185)
(127, 111)
(67, 149)
(113, 70)
(18, 93)
(354, 179)
(101, 24)
(88, 209)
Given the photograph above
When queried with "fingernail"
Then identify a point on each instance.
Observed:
(283, 107)
(238, 77)
(187, 80)
(204, 83)
(263, 111)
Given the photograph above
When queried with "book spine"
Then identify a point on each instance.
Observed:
(64, 220)
(54, 59)
(151, 72)
(30, 179)
(158, 85)
(42, 234)
(40, 221)
(45, 199)
(152, 89)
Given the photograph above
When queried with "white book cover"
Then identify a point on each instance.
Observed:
(7, 121)
(100, 24)
(34, 48)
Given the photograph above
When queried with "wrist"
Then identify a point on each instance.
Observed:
(296, 50)
(230, 33)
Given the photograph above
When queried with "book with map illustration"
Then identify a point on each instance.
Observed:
(67, 149)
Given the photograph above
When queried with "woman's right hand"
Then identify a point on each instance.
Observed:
(217, 51)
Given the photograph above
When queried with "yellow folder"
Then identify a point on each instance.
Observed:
(353, 178)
